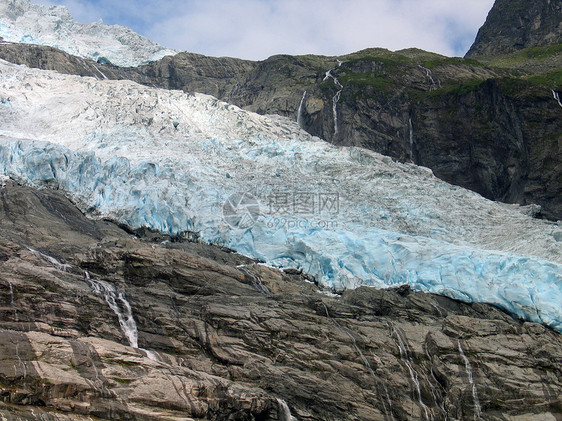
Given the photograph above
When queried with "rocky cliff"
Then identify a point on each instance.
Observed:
(98, 322)
(513, 25)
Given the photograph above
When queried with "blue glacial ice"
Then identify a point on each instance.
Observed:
(350, 217)
(156, 196)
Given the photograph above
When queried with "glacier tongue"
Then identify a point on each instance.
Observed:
(350, 217)
(21, 21)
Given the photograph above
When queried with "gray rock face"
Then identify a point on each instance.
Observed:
(223, 338)
(502, 151)
(513, 25)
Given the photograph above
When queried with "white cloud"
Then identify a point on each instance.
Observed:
(256, 29)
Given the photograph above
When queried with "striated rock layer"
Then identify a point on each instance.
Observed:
(210, 334)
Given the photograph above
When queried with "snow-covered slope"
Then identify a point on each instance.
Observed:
(21, 21)
(175, 162)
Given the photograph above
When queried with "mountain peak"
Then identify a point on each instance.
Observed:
(24, 22)
(513, 25)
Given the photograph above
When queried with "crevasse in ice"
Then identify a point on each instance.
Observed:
(260, 185)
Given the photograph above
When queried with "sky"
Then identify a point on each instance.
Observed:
(257, 29)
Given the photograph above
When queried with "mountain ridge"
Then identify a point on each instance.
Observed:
(25, 22)
(514, 25)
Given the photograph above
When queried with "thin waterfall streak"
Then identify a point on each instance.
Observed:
(411, 140)
(388, 411)
(100, 72)
(51, 260)
(300, 118)
(468, 367)
(413, 374)
(120, 306)
(284, 411)
(429, 74)
(336, 97)
(556, 96)
(12, 301)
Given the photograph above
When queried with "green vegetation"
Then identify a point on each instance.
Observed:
(378, 81)
(123, 381)
(445, 61)
(552, 80)
(380, 55)
(316, 63)
(517, 85)
(458, 89)
(525, 58)
(378, 72)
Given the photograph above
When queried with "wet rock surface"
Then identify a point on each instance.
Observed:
(221, 337)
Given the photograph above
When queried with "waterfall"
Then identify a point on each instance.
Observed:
(300, 118)
(12, 303)
(366, 363)
(257, 282)
(120, 306)
(116, 301)
(436, 393)
(336, 97)
(413, 375)
(124, 313)
(51, 260)
(21, 362)
(152, 355)
(100, 72)
(335, 101)
(284, 411)
(556, 97)
(11, 293)
(429, 75)
(477, 407)
(411, 140)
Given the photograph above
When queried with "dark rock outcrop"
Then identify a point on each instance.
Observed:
(514, 25)
(501, 138)
(223, 338)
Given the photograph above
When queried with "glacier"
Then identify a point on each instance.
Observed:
(24, 22)
(172, 161)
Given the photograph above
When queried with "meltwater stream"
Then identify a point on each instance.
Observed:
(284, 411)
(380, 384)
(120, 306)
(556, 96)
(12, 302)
(477, 407)
(116, 301)
(300, 117)
(404, 356)
(429, 74)
(336, 97)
